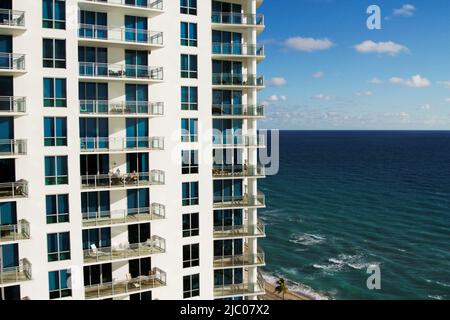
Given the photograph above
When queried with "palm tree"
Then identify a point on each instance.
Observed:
(281, 287)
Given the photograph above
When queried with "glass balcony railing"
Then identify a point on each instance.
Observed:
(237, 110)
(15, 232)
(245, 288)
(118, 71)
(240, 260)
(12, 18)
(9, 104)
(223, 141)
(155, 212)
(237, 49)
(222, 202)
(13, 147)
(245, 230)
(156, 278)
(117, 34)
(153, 245)
(121, 144)
(237, 18)
(244, 80)
(127, 108)
(140, 4)
(238, 170)
(115, 180)
(19, 273)
(18, 189)
(12, 61)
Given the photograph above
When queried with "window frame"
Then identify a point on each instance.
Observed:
(189, 162)
(190, 200)
(58, 255)
(192, 98)
(192, 66)
(52, 23)
(189, 8)
(191, 255)
(57, 217)
(189, 134)
(53, 61)
(61, 291)
(191, 291)
(192, 223)
(57, 179)
(55, 101)
(191, 38)
(55, 140)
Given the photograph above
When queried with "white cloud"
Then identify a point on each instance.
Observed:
(447, 100)
(321, 96)
(277, 82)
(307, 44)
(407, 10)
(272, 99)
(375, 81)
(390, 48)
(365, 93)
(318, 74)
(416, 81)
(425, 107)
(444, 83)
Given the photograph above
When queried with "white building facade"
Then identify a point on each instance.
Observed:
(129, 149)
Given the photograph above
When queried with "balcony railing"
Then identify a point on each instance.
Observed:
(237, 110)
(121, 144)
(13, 147)
(228, 79)
(240, 260)
(246, 288)
(119, 71)
(12, 18)
(19, 273)
(238, 49)
(149, 4)
(12, 61)
(13, 190)
(109, 108)
(240, 201)
(114, 180)
(15, 232)
(245, 230)
(231, 171)
(125, 251)
(238, 18)
(156, 278)
(220, 141)
(11, 104)
(125, 35)
(155, 212)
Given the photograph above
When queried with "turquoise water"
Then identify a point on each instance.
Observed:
(345, 200)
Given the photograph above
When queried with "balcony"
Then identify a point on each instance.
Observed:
(19, 273)
(224, 50)
(129, 180)
(149, 7)
(236, 202)
(242, 289)
(238, 171)
(112, 145)
(243, 81)
(121, 109)
(119, 72)
(15, 232)
(12, 106)
(125, 251)
(91, 34)
(12, 22)
(128, 216)
(12, 190)
(240, 260)
(235, 141)
(155, 279)
(12, 64)
(230, 20)
(245, 230)
(237, 111)
(12, 147)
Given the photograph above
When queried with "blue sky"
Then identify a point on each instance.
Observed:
(326, 70)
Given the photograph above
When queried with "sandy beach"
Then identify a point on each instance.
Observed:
(290, 295)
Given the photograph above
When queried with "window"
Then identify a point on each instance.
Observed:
(189, 98)
(188, 7)
(55, 131)
(54, 53)
(57, 208)
(55, 93)
(93, 24)
(54, 14)
(191, 256)
(58, 246)
(189, 66)
(59, 284)
(191, 286)
(189, 130)
(188, 35)
(190, 193)
(190, 225)
(189, 163)
(56, 170)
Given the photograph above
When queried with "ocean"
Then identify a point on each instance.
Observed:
(346, 200)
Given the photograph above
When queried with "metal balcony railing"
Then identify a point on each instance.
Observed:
(19, 273)
(240, 201)
(18, 189)
(244, 230)
(156, 278)
(153, 245)
(121, 144)
(229, 79)
(237, 18)
(12, 61)
(145, 4)
(155, 212)
(13, 147)
(9, 104)
(118, 71)
(240, 260)
(118, 34)
(15, 232)
(220, 141)
(237, 49)
(237, 110)
(114, 180)
(127, 108)
(238, 170)
(12, 18)
(245, 288)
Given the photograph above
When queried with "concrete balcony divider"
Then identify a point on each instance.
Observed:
(118, 34)
(127, 108)
(19, 273)
(121, 144)
(10, 104)
(15, 232)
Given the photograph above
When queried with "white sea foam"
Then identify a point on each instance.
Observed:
(342, 261)
(436, 297)
(306, 239)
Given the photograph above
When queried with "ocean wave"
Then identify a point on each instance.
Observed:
(442, 284)
(343, 261)
(306, 239)
(436, 297)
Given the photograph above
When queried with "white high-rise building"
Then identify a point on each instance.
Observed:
(129, 149)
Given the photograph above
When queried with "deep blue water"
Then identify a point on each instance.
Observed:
(344, 200)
